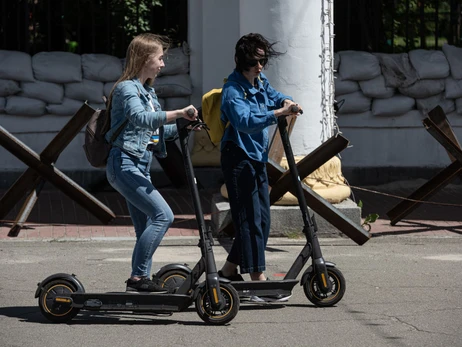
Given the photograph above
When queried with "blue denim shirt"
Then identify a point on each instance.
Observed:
(249, 110)
(130, 99)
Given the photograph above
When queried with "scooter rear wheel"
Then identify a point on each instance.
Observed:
(56, 311)
(317, 297)
(205, 311)
(172, 280)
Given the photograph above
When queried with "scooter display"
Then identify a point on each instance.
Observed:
(323, 283)
(61, 296)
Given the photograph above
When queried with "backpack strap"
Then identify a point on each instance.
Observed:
(225, 80)
(245, 96)
(118, 131)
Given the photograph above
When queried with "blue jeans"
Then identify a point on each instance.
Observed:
(150, 213)
(247, 184)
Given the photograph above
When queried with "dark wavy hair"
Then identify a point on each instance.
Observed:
(246, 49)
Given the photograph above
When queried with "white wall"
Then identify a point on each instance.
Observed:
(213, 31)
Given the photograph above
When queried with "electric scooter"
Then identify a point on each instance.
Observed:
(61, 296)
(323, 283)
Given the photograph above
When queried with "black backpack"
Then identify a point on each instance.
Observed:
(96, 147)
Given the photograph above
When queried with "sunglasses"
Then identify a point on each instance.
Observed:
(254, 62)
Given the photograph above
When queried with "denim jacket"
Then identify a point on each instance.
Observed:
(130, 99)
(249, 110)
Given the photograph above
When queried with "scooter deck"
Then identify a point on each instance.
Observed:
(131, 301)
(264, 288)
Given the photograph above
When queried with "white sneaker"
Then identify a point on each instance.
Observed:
(264, 299)
(255, 298)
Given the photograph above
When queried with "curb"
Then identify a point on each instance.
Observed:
(178, 241)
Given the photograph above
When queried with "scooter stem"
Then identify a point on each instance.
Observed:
(309, 225)
(205, 243)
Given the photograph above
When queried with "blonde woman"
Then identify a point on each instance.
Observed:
(134, 108)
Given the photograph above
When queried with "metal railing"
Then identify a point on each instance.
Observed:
(395, 26)
(87, 26)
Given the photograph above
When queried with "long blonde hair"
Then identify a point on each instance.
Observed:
(138, 52)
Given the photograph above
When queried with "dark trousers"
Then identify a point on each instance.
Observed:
(247, 185)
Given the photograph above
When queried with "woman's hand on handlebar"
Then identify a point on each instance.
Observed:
(289, 108)
(190, 113)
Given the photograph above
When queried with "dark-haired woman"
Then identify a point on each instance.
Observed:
(249, 106)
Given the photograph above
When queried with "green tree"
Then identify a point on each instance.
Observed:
(137, 14)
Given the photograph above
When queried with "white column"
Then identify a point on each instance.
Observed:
(296, 25)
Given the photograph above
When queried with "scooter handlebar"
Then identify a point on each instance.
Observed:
(296, 109)
(190, 112)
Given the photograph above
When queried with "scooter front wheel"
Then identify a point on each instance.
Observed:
(53, 301)
(218, 317)
(316, 296)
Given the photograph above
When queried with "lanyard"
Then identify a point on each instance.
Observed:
(155, 135)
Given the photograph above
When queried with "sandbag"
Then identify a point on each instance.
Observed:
(364, 120)
(358, 66)
(175, 103)
(458, 103)
(355, 120)
(423, 89)
(430, 103)
(16, 66)
(101, 67)
(355, 102)
(57, 67)
(327, 181)
(9, 87)
(395, 106)
(429, 64)
(2, 104)
(161, 103)
(51, 93)
(108, 88)
(67, 108)
(336, 61)
(176, 85)
(98, 106)
(21, 106)
(454, 56)
(345, 86)
(376, 88)
(453, 88)
(204, 152)
(176, 61)
(85, 90)
(397, 69)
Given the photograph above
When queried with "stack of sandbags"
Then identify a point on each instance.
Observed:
(369, 86)
(173, 85)
(453, 83)
(58, 83)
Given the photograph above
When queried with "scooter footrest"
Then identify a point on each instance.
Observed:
(264, 288)
(127, 301)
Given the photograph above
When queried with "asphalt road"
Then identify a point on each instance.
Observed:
(400, 292)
